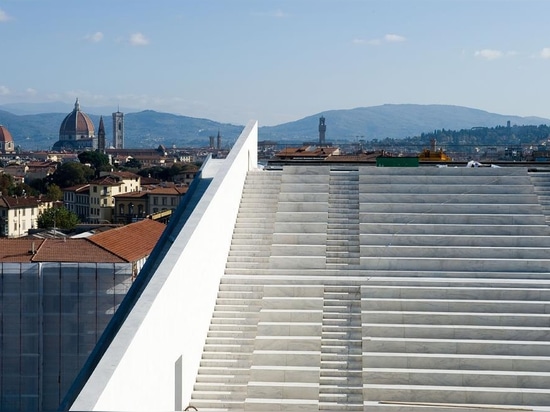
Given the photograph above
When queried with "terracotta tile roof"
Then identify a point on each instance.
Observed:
(54, 250)
(307, 152)
(149, 181)
(169, 190)
(132, 242)
(15, 202)
(125, 175)
(73, 250)
(77, 188)
(18, 250)
(107, 181)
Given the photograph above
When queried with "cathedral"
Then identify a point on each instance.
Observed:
(77, 132)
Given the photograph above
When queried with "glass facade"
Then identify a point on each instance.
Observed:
(51, 316)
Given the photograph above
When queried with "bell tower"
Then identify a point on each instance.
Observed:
(118, 130)
(322, 130)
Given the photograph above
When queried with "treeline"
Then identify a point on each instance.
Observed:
(499, 136)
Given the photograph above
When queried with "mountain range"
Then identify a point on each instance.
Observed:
(148, 128)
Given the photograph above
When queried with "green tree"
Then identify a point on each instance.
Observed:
(24, 189)
(40, 185)
(6, 184)
(98, 160)
(71, 174)
(54, 192)
(133, 164)
(59, 217)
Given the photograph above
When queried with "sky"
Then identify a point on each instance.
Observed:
(276, 61)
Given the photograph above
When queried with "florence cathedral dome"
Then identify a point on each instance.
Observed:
(76, 132)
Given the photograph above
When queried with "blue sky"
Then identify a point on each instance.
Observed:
(276, 61)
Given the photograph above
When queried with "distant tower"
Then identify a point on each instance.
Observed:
(219, 141)
(101, 136)
(322, 130)
(118, 130)
(211, 142)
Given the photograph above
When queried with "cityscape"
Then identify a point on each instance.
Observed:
(282, 205)
(85, 227)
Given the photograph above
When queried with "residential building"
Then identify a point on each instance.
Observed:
(18, 171)
(307, 153)
(103, 190)
(39, 170)
(77, 200)
(133, 206)
(164, 198)
(19, 214)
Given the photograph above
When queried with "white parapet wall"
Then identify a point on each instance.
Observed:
(152, 362)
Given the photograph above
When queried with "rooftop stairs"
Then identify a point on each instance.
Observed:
(383, 289)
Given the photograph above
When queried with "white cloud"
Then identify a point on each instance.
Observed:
(393, 38)
(545, 53)
(489, 54)
(138, 39)
(388, 38)
(4, 16)
(95, 38)
(31, 92)
(4, 91)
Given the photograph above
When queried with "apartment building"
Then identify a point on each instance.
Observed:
(77, 200)
(19, 214)
(133, 206)
(104, 189)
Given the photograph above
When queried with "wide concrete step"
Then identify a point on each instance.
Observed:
(477, 292)
(450, 208)
(460, 318)
(456, 305)
(447, 189)
(458, 275)
(515, 333)
(478, 239)
(449, 220)
(465, 198)
(456, 346)
(457, 361)
(443, 252)
(453, 264)
(456, 394)
(423, 175)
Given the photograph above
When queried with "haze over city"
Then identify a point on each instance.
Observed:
(276, 61)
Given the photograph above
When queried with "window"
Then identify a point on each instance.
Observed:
(121, 209)
(164, 201)
(155, 200)
(95, 189)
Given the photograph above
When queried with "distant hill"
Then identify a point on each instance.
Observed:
(391, 120)
(147, 129)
